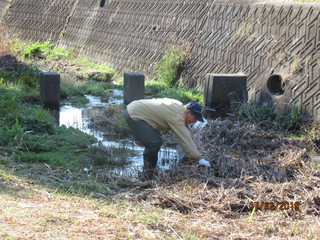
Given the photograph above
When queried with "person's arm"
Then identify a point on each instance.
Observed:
(185, 140)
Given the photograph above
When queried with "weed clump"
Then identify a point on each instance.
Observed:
(41, 50)
(110, 156)
(111, 121)
(267, 116)
(168, 71)
(26, 75)
(63, 60)
(169, 68)
(182, 94)
(155, 89)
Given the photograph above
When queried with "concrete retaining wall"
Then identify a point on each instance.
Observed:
(3, 6)
(276, 45)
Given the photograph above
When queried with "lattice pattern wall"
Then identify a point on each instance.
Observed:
(132, 34)
(38, 20)
(3, 6)
(257, 40)
(260, 40)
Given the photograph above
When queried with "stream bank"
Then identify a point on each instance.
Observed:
(131, 152)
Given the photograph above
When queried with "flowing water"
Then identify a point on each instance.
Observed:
(80, 118)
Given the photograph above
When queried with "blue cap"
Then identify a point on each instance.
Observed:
(196, 110)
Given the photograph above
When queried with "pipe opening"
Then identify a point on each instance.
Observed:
(102, 3)
(275, 85)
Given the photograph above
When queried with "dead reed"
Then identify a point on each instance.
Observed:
(250, 165)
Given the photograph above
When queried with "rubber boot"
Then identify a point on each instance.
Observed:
(149, 168)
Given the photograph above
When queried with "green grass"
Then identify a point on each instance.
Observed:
(68, 90)
(96, 88)
(85, 68)
(29, 135)
(13, 109)
(169, 67)
(34, 50)
(152, 88)
(75, 91)
(93, 65)
(57, 149)
(156, 89)
(184, 95)
(312, 136)
(27, 75)
(29, 132)
(290, 122)
(110, 156)
(90, 70)
(261, 112)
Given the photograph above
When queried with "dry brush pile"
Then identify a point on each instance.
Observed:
(250, 165)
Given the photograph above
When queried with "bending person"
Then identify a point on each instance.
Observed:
(147, 117)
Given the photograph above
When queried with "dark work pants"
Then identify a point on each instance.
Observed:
(146, 135)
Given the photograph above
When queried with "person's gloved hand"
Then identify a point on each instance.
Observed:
(204, 162)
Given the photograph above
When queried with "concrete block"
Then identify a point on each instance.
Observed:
(50, 89)
(133, 87)
(222, 90)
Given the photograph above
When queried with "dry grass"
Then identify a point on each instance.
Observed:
(8, 60)
(250, 165)
(187, 202)
(5, 41)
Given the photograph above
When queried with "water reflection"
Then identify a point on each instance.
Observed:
(80, 118)
(71, 117)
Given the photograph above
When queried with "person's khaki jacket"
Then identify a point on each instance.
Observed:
(165, 114)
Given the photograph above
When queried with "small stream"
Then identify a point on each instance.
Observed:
(80, 118)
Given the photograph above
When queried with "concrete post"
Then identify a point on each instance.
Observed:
(133, 87)
(222, 90)
(50, 89)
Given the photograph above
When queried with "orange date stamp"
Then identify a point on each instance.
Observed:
(272, 206)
